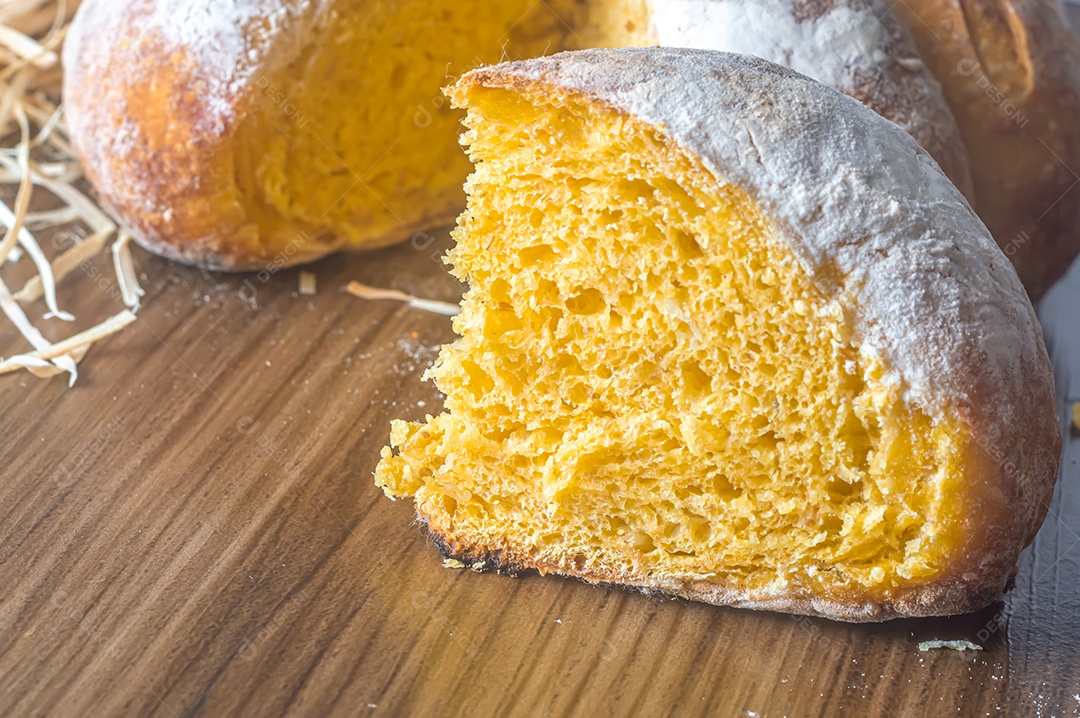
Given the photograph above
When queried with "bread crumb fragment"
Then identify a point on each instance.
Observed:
(478, 566)
(307, 283)
(954, 645)
(452, 563)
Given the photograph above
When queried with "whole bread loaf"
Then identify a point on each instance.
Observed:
(1011, 73)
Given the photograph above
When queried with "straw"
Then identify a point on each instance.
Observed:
(36, 154)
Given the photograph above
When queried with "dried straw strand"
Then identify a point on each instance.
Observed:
(31, 36)
(446, 309)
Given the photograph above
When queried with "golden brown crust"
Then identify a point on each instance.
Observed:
(156, 115)
(1012, 477)
(1011, 74)
(143, 116)
(157, 112)
(150, 116)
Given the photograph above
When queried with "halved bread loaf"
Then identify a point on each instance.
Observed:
(730, 336)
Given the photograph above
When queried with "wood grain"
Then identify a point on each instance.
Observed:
(193, 530)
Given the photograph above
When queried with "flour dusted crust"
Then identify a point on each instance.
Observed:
(856, 46)
(896, 248)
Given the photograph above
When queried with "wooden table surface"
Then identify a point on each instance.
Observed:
(193, 530)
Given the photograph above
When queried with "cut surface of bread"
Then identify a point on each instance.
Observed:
(664, 380)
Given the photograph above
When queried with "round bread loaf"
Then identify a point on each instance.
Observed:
(731, 336)
(250, 133)
(1011, 74)
(858, 47)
